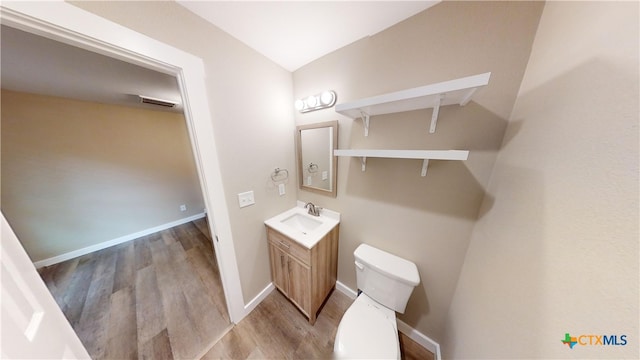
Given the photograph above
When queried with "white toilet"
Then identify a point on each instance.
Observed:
(368, 329)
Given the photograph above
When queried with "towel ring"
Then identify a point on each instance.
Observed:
(312, 167)
(276, 174)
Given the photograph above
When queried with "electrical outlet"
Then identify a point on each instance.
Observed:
(183, 207)
(246, 199)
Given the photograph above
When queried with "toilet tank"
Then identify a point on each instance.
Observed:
(386, 278)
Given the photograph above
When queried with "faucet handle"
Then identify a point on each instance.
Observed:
(313, 209)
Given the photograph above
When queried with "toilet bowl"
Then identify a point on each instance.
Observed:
(368, 329)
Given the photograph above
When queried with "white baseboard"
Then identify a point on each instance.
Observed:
(258, 299)
(412, 333)
(346, 290)
(109, 243)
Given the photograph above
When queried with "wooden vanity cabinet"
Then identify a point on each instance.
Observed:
(305, 276)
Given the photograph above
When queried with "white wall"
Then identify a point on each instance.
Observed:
(557, 251)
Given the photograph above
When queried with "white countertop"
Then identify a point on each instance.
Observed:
(308, 239)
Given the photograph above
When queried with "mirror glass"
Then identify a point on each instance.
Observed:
(316, 164)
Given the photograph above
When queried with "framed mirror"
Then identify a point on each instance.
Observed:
(317, 167)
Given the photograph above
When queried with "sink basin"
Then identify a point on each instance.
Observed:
(302, 222)
(303, 228)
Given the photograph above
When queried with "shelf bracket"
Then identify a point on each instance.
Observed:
(425, 164)
(434, 115)
(363, 161)
(365, 120)
(467, 97)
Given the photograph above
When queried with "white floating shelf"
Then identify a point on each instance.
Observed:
(458, 91)
(424, 155)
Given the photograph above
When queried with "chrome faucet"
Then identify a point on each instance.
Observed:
(313, 210)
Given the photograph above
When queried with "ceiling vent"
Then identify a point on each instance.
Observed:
(158, 102)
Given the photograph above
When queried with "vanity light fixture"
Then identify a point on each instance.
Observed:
(316, 102)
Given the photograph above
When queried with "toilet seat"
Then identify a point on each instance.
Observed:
(367, 330)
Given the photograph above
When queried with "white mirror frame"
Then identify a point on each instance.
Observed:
(66, 23)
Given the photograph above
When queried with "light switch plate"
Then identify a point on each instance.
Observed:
(281, 190)
(325, 175)
(246, 199)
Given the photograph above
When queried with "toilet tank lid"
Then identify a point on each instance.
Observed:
(388, 264)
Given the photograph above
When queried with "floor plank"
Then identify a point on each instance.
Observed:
(159, 347)
(150, 319)
(142, 251)
(72, 300)
(184, 339)
(125, 267)
(122, 340)
(94, 320)
(203, 225)
(58, 277)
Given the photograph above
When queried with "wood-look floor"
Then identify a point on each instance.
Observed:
(157, 297)
(276, 329)
(160, 297)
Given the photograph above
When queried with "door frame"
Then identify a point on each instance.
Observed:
(66, 23)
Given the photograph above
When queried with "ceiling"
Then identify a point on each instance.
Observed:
(290, 33)
(38, 65)
(294, 33)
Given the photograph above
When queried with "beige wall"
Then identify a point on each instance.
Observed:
(252, 114)
(427, 220)
(75, 173)
(557, 251)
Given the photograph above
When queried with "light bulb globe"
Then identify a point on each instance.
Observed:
(312, 101)
(327, 98)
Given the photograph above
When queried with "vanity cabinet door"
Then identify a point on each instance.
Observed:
(299, 285)
(279, 268)
(305, 276)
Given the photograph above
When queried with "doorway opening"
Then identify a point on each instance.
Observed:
(67, 25)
